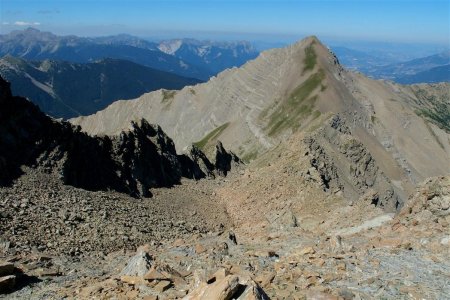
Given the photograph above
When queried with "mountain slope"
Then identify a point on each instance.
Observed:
(32, 44)
(133, 162)
(433, 75)
(297, 89)
(67, 90)
(424, 68)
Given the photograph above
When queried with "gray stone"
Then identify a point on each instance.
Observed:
(138, 265)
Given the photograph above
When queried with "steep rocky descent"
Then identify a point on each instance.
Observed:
(327, 168)
(253, 108)
(141, 158)
(344, 164)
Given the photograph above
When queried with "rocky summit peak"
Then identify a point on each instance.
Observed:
(307, 41)
(32, 30)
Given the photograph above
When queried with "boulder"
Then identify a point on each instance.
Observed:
(230, 287)
(138, 265)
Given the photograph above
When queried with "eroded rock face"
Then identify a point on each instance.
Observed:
(133, 162)
(431, 202)
(138, 265)
(146, 158)
(229, 287)
(344, 164)
(224, 161)
(201, 160)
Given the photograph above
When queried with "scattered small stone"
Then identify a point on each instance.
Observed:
(199, 249)
(162, 286)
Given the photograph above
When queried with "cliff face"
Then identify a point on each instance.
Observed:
(344, 164)
(133, 162)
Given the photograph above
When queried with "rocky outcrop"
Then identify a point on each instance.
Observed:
(344, 164)
(430, 202)
(228, 287)
(133, 162)
(146, 158)
(201, 160)
(224, 161)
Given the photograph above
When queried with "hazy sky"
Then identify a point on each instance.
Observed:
(386, 20)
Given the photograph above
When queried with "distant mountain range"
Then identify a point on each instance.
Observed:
(429, 69)
(217, 56)
(433, 75)
(424, 68)
(197, 59)
(360, 60)
(63, 89)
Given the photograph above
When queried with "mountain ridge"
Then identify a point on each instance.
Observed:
(134, 162)
(254, 108)
(418, 70)
(32, 44)
(331, 207)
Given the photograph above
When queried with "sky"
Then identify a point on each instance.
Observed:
(425, 21)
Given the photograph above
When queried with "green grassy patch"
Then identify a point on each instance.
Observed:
(296, 107)
(249, 156)
(316, 114)
(167, 95)
(211, 136)
(440, 116)
(433, 108)
(310, 59)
